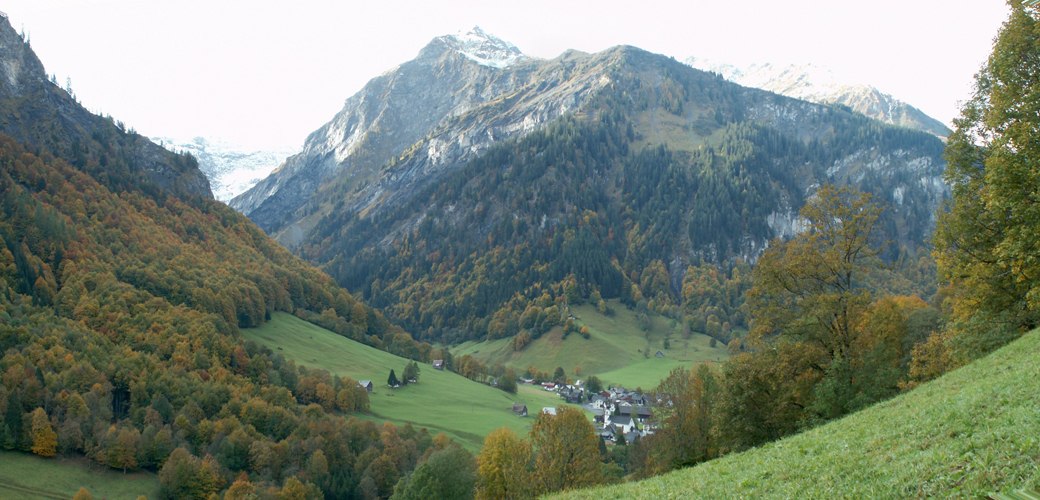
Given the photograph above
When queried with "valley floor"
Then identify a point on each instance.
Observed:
(441, 401)
(617, 350)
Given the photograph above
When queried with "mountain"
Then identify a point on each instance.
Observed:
(440, 90)
(35, 110)
(455, 194)
(123, 290)
(230, 168)
(816, 84)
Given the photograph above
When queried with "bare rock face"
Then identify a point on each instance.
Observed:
(816, 84)
(461, 94)
(34, 110)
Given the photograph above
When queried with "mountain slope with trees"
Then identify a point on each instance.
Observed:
(661, 170)
(123, 286)
(35, 110)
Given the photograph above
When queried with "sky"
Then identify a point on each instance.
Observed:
(265, 73)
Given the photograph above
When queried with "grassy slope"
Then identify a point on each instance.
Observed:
(441, 401)
(970, 433)
(612, 351)
(30, 477)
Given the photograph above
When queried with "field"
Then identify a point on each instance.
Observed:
(970, 433)
(614, 351)
(441, 401)
(29, 477)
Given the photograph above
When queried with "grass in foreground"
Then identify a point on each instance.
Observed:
(30, 477)
(970, 433)
(613, 352)
(442, 401)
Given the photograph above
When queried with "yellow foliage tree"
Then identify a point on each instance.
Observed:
(504, 467)
(45, 440)
(566, 451)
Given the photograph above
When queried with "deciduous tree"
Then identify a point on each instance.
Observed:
(505, 467)
(988, 238)
(566, 451)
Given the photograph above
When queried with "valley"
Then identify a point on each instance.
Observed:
(441, 401)
(806, 288)
(614, 351)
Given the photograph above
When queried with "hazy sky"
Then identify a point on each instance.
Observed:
(266, 73)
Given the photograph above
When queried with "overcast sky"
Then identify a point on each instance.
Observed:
(266, 73)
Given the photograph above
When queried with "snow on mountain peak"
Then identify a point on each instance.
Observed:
(484, 48)
(818, 84)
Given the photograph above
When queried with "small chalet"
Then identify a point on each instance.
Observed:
(438, 364)
(520, 409)
(623, 424)
(659, 354)
(549, 386)
(366, 385)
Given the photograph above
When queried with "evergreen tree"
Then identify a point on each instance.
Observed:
(392, 380)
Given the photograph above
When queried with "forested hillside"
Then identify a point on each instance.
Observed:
(120, 315)
(601, 204)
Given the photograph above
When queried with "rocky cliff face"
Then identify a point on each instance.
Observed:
(34, 110)
(816, 84)
(462, 93)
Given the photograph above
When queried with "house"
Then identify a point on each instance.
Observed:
(630, 437)
(527, 381)
(598, 401)
(438, 364)
(520, 409)
(571, 394)
(641, 413)
(366, 384)
(549, 386)
(549, 411)
(659, 354)
(623, 424)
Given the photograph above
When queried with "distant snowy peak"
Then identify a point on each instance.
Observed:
(230, 168)
(818, 84)
(483, 48)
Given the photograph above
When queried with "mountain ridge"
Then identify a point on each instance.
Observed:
(34, 110)
(817, 84)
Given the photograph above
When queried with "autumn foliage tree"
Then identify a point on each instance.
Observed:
(566, 451)
(45, 440)
(988, 236)
(505, 467)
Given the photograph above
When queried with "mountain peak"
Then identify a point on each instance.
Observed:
(484, 48)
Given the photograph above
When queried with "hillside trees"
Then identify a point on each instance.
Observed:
(987, 239)
(560, 453)
(135, 357)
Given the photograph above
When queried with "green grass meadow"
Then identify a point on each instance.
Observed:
(30, 477)
(613, 352)
(441, 401)
(973, 432)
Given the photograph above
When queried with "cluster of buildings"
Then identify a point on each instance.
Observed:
(619, 413)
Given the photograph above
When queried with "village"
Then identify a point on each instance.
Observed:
(620, 416)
